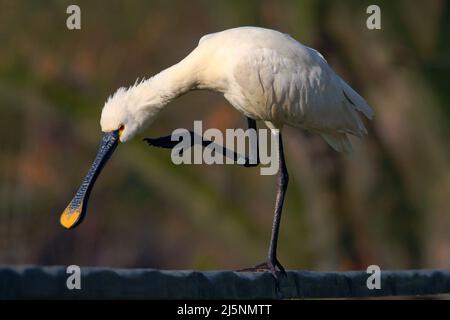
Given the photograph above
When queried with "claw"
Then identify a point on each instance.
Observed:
(281, 268)
(162, 142)
(270, 266)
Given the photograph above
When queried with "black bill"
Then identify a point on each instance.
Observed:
(76, 210)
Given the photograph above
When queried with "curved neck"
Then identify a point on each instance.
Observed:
(172, 82)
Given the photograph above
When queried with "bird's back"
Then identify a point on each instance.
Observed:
(269, 76)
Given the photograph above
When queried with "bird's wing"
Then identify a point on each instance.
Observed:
(303, 91)
(297, 87)
(358, 102)
(265, 84)
(333, 106)
(338, 141)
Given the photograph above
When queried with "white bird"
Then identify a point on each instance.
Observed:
(264, 74)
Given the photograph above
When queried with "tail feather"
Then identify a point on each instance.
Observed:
(356, 100)
(338, 141)
(349, 118)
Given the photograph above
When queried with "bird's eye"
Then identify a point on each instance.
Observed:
(121, 128)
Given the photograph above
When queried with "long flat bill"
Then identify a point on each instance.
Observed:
(76, 210)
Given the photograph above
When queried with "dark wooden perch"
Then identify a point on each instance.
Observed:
(28, 282)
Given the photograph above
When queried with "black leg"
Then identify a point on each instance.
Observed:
(252, 125)
(167, 143)
(272, 262)
(283, 180)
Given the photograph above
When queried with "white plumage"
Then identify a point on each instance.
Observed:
(265, 74)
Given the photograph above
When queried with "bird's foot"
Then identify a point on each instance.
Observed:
(161, 142)
(269, 266)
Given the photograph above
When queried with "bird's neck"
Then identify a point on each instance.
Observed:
(171, 82)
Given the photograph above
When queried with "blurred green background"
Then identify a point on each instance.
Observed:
(386, 204)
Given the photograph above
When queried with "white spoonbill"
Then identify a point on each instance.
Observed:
(266, 75)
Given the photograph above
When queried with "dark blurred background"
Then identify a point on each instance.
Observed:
(386, 204)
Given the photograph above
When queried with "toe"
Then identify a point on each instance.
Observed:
(281, 268)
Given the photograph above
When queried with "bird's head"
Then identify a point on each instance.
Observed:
(130, 110)
(125, 113)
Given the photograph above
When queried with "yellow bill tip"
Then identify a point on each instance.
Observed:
(70, 217)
